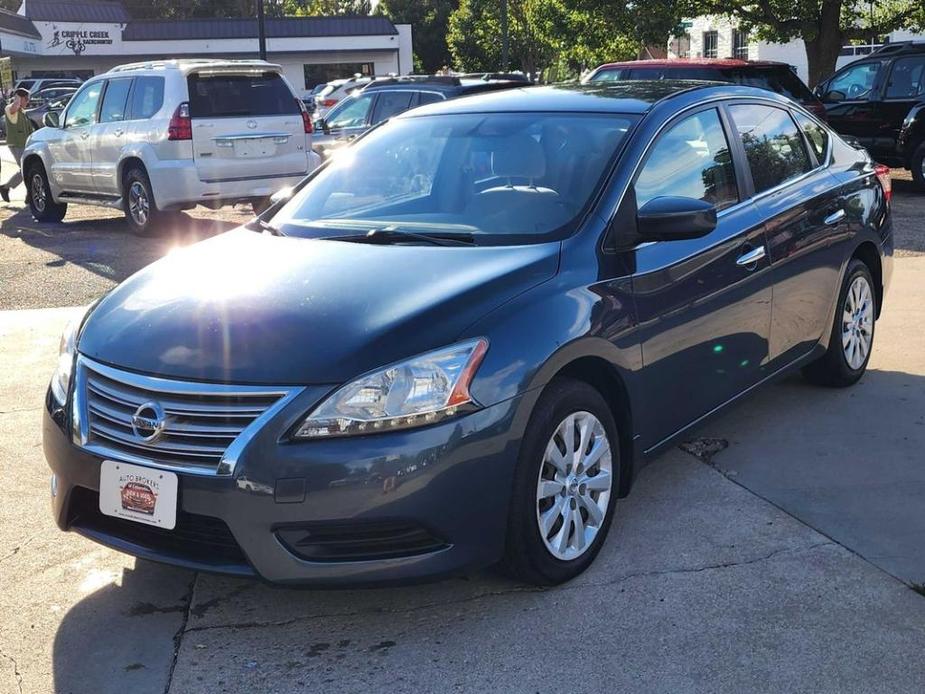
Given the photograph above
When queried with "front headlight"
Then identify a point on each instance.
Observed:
(61, 379)
(422, 390)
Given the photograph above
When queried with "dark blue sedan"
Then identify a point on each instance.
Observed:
(457, 342)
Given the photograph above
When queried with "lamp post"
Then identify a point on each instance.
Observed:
(261, 31)
(504, 37)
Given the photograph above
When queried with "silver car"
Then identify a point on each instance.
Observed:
(151, 137)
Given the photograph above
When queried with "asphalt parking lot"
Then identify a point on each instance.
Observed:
(779, 551)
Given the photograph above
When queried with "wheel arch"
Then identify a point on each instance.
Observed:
(127, 164)
(868, 254)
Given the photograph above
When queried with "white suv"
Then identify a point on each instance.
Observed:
(151, 137)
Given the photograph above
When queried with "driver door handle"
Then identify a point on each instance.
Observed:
(84, 134)
(835, 217)
(118, 133)
(750, 259)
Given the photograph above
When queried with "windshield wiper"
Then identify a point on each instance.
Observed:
(387, 235)
(258, 224)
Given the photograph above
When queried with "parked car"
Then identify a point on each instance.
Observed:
(51, 99)
(336, 90)
(764, 74)
(460, 344)
(39, 83)
(308, 97)
(880, 101)
(387, 97)
(158, 136)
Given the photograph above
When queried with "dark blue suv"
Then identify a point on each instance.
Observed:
(457, 342)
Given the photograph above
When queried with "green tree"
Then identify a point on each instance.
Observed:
(429, 20)
(824, 25)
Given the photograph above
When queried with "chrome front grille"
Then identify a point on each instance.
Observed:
(204, 426)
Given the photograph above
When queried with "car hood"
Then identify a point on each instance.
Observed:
(247, 308)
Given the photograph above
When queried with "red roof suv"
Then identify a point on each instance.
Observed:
(775, 77)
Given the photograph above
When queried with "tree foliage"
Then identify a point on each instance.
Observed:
(429, 20)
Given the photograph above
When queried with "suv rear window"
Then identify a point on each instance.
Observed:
(219, 96)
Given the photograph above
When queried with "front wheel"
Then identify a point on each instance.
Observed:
(852, 337)
(41, 203)
(565, 485)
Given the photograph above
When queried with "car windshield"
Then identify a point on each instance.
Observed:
(494, 178)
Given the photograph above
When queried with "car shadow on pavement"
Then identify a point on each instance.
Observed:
(681, 523)
(104, 245)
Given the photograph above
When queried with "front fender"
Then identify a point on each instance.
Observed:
(912, 132)
(37, 150)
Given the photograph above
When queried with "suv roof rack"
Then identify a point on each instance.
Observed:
(426, 79)
(900, 47)
(180, 63)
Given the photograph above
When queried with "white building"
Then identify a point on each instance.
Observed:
(718, 37)
(81, 38)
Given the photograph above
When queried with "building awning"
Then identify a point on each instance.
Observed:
(232, 28)
(17, 24)
(101, 11)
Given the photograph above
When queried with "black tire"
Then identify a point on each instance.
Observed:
(141, 212)
(833, 369)
(259, 205)
(916, 164)
(527, 557)
(38, 195)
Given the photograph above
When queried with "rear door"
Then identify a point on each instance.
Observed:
(905, 88)
(246, 125)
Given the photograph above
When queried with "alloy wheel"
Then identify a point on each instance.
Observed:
(37, 191)
(574, 486)
(858, 323)
(138, 205)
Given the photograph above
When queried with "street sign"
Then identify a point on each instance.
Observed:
(6, 73)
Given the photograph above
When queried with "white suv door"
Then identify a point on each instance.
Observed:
(71, 152)
(110, 135)
(247, 125)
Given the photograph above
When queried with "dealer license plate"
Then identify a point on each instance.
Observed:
(138, 493)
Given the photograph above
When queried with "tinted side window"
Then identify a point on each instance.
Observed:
(780, 80)
(353, 114)
(82, 109)
(114, 100)
(691, 160)
(390, 104)
(610, 75)
(428, 98)
(147, 98)
(773, 145)
(854, 82)
(907, 78)
(817, 135)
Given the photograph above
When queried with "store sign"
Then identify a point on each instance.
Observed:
(77, 40)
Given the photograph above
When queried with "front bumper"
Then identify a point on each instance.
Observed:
(452, 480)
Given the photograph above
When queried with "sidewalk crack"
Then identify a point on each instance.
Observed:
(181, 630)
(16, 671)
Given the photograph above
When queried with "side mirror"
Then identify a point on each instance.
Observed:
(819, 90)
(281, 195)
(672, 218)
(321, 125)
(51, 120)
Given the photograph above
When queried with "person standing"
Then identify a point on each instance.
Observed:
(18, 129)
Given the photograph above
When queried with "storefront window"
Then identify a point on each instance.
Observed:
(319, 73)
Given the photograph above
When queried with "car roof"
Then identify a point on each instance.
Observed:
(187, 65)
(632, 97)
(695, 62)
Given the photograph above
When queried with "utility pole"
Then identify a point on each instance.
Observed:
(504, 37)
(261, 31)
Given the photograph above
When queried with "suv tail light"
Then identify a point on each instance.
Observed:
(306, 117)
(886, 181)
(181, 125)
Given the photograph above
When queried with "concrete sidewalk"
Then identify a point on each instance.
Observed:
(702, 586)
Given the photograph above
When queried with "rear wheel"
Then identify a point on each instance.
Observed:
(918, 166)
(41, 204)
(852, 337)
(141, 211)
(565, 485)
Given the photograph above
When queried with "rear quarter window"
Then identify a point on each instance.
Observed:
(147, 97)
(779, 80)
(223, 96)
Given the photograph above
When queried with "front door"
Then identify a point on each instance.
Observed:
(110, 136)
(851, 101)
(71, 152)
(904, 89)
(703, 305)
